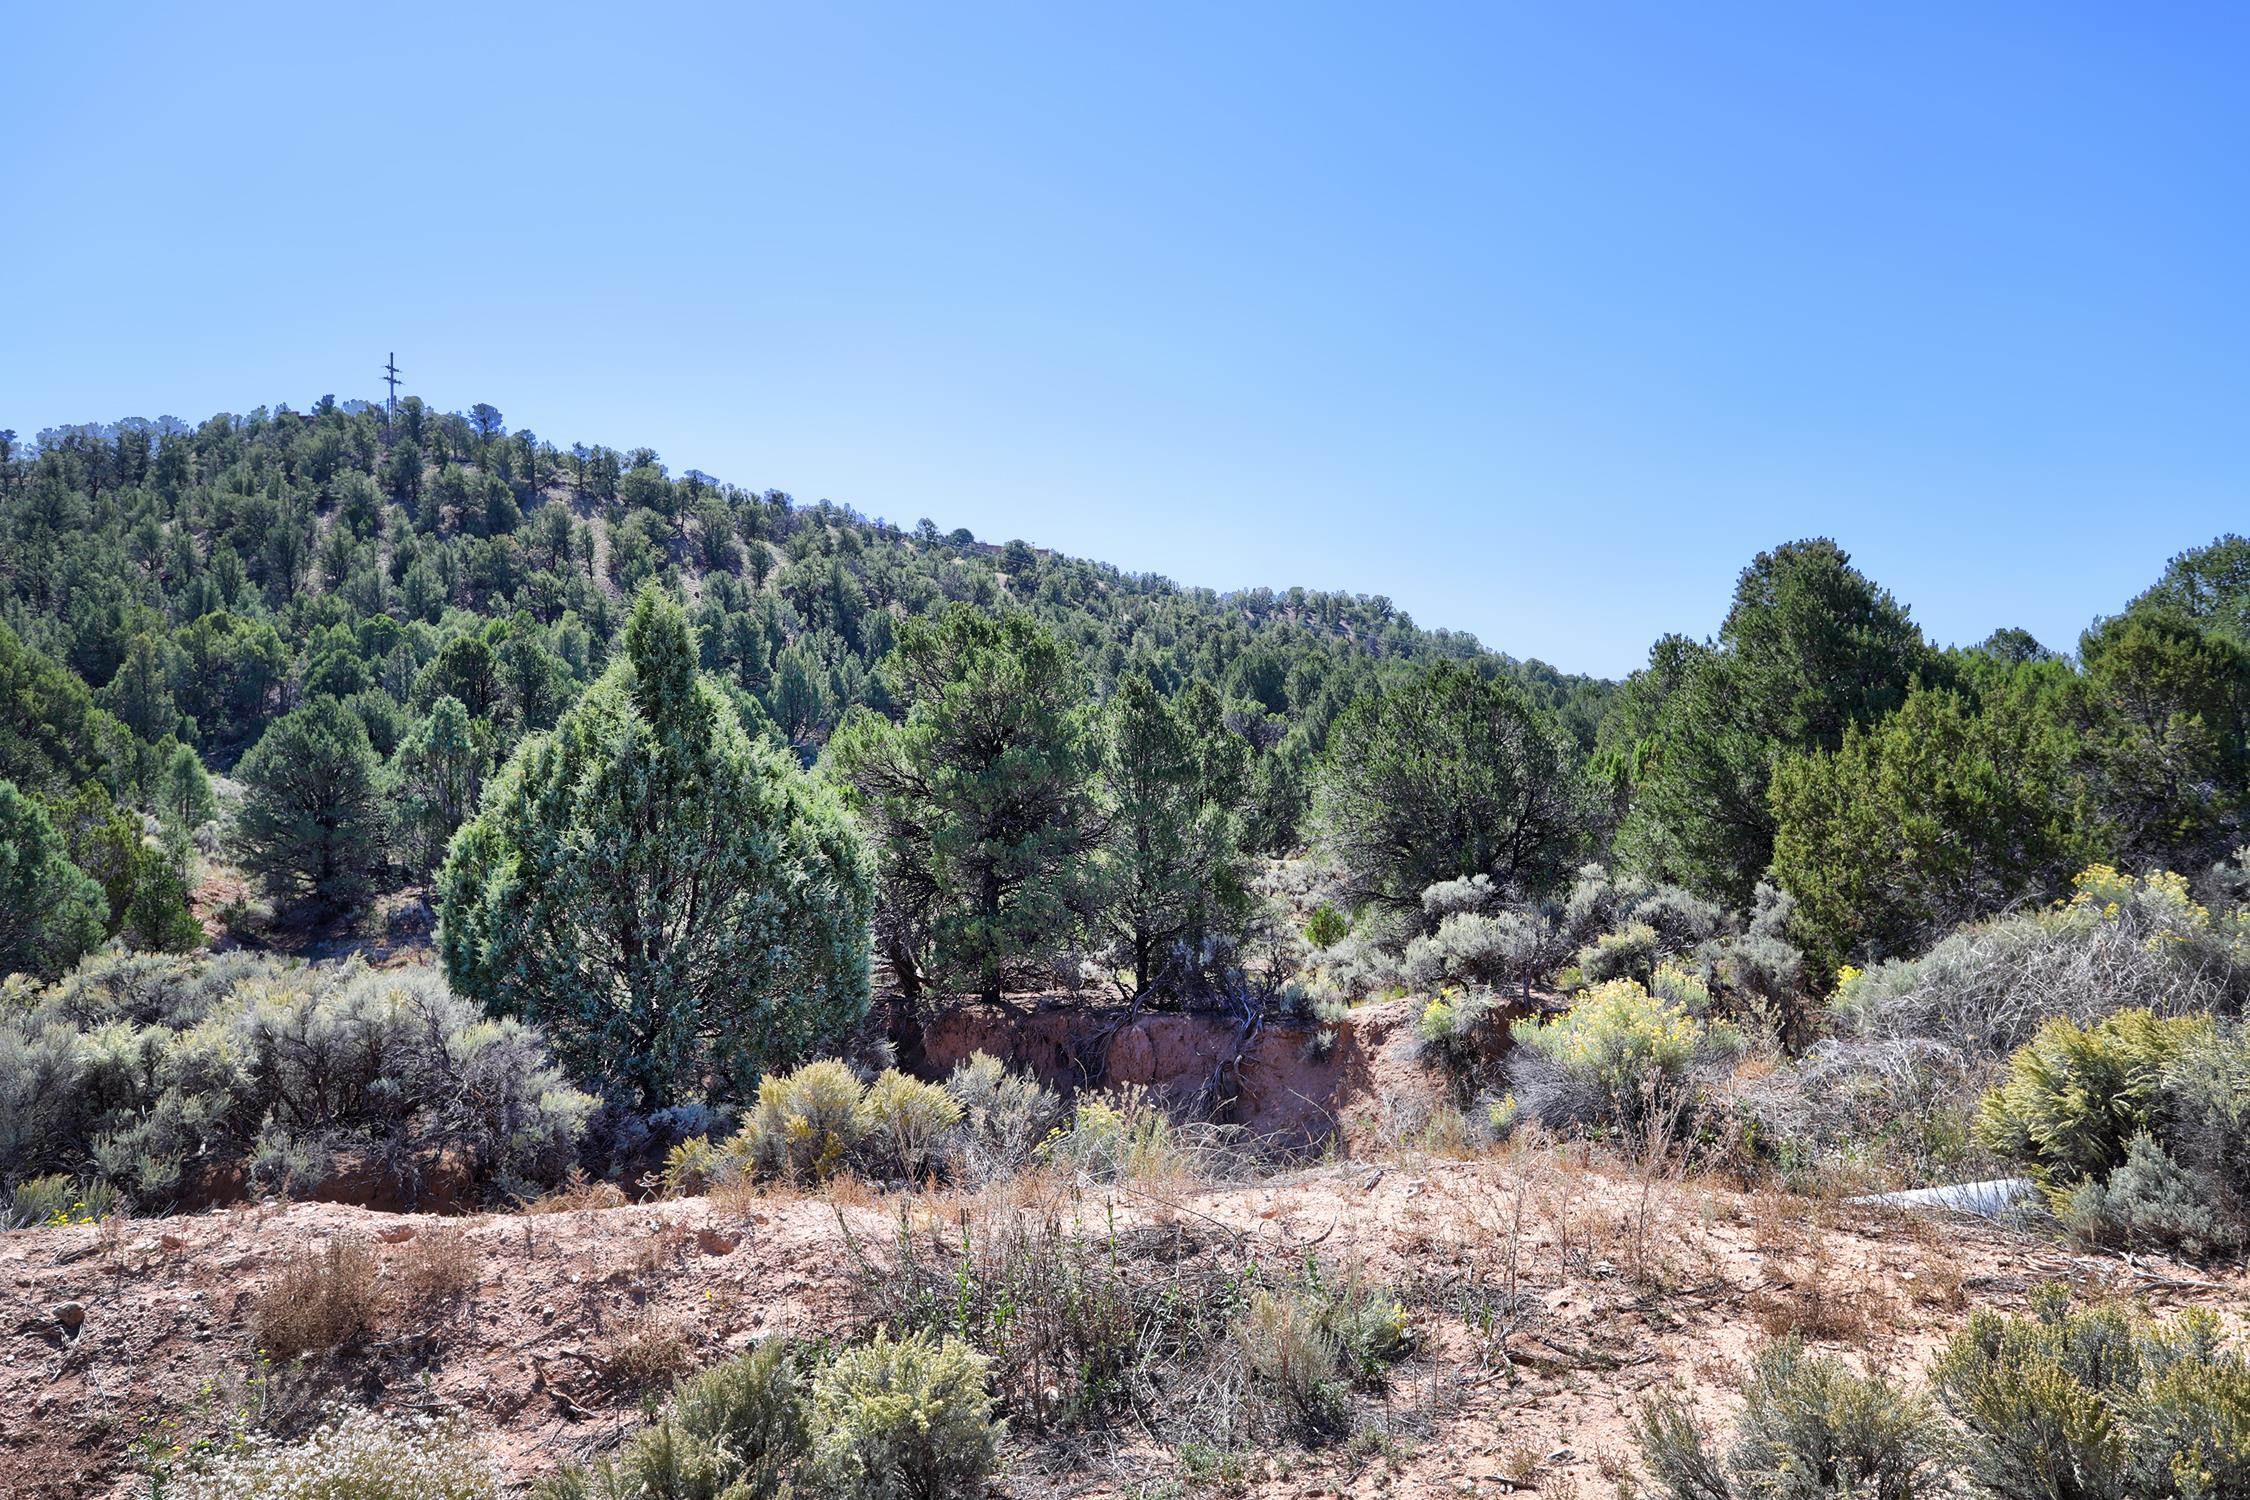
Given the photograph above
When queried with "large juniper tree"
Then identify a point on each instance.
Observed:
(311, 823)
(1809, 648)
(676, 906)
(1445, 775)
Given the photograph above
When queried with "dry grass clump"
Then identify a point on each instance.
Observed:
(1174, 1326)
(319, 1300)
(436, 1269)
(576, 1193)
(647, 1349)
(1814, 1309)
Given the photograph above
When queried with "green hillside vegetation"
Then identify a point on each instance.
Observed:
(687, 773)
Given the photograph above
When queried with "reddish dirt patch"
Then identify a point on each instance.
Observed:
(1293, 1086)
(1549, 1292)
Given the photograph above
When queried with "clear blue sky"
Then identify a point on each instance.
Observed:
(1539, 319)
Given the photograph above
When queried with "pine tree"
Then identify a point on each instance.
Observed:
(1172, 866)
(1448, 774)
(676, 906)
(311, 821)
(980, 800)
(51, 912)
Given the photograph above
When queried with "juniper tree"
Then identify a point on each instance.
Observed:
(1448, 774)
(676, 906)
(312, 818)
(980, 799)
(51, 912)
(439, 771)
(1809, 648)
(1946, 811)
(1172, 866)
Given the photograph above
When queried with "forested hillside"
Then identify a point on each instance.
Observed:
(409, 601)
(198, 582)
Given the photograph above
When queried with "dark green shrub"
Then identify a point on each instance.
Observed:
(1326, 926)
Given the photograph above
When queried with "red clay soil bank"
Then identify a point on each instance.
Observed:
(1287, 1084)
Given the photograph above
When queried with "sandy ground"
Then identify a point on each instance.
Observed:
(1550, 1291)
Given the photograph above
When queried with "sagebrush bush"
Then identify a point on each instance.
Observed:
(1510, 948)
(2138, 1126)
(1895, 1091)
(135, 1067)
(2099, 1401)
(695, 1166)
(1461, 1029)
(364, 1457)
(737, 1431)
(1126, 1134)
(1294, 1355)
(1005, 1116)
(909, 1419)
(904, 1125)
(2149, 1199)
(806, 1122)
(1629, 952)
(1810, 1429)
(1618, 1057)
(2120, 942)
(1369, 1325)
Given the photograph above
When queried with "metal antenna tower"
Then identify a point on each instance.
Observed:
(390, 378)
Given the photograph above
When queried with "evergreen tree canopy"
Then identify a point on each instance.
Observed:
(1173, 872)
(1448, 775)
(675, 906)
(1943, 812)
(980, 800)
(312, 819)
(51, 912)
(1809, 648)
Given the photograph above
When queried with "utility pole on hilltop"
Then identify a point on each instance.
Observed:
(390, 378)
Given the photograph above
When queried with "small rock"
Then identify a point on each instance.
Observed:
(397, 1234)
(171, 1242)
(712, 1242)
(71, 1315)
